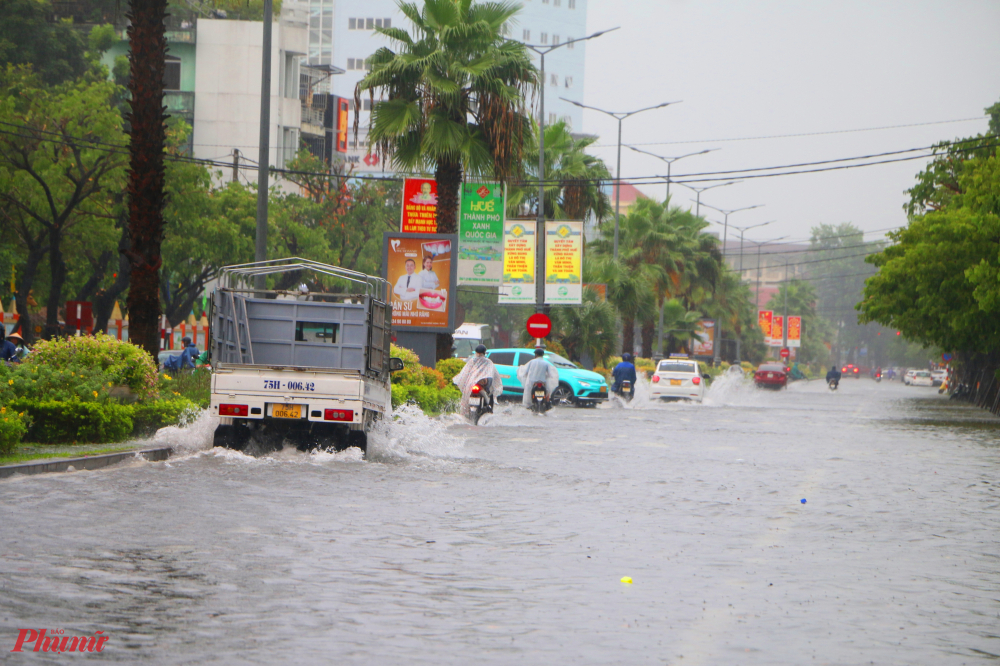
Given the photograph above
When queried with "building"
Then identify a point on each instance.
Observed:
(763, 267)
(342, 35)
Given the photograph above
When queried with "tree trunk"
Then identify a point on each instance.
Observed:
(35, 255)
(628, 334)
(104, 299)
(100, 268)
(449, 179)
(648, 333)
(57, 277)
(146, 174)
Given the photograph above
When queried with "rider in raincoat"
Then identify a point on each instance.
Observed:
(537, 370)
(477, 367)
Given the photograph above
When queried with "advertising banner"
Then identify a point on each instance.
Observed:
(563, 263)
(704, 343)
(421, 273)
(480, 234)
(764, 320)
(419, 206)
(794, 331)
(777, 336)
(518, 284)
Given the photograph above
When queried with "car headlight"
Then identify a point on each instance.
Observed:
(585, 384)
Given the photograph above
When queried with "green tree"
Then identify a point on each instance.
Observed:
(53, 49)
(451, 98)
(587, 331)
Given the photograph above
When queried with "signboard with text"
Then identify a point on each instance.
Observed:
(563, 263)
(794, 331)
(419, 206)
(704, 342)
(518, 284)
(421, 271)
(480, 234)
(764, 321)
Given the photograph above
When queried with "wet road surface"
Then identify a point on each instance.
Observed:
(506, 543)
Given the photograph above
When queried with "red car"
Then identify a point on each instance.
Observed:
(851, 370)
(771, 375)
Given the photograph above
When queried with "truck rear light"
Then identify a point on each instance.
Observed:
(233, 410)
(656, 379)
(696, 380)
(338, 414)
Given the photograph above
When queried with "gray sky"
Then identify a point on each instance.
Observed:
(764, 67)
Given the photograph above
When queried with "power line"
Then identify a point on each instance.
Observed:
(810, 249)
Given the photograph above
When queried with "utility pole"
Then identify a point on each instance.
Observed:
(263, 155)
(670, 161)
(236, 165)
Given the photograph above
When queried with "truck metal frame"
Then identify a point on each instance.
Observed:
(309, 367)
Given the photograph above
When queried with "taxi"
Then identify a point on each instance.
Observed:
(677, 378)
(579, 387)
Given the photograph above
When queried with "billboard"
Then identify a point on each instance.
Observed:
(794, 331)
(764, 321)
(480, 234)
(563, 263)
(421, 272)
(518, 284)
(419, 206)
(777, 336)
(341, 109)
(704, 342)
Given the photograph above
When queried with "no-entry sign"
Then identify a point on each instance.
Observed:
(539, 325)
(784, 352)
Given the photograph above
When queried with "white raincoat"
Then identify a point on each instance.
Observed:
(537, 370)
(476, 367)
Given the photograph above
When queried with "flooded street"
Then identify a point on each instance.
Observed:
(507, 543)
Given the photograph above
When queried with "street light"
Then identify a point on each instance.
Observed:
(670, 161)
(542, 50)
(699, 190)
(760, 245)
(743, 230)
(619, 116)
(726, 214)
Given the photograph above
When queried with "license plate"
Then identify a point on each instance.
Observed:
(287, 411)
(474, 402)
(604, 389)
(539, 394)
(770, 375)
(675, 382)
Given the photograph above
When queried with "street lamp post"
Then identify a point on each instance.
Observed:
(542, 50)
(725, 216)
(760, 245)
(263, 156)
(743, 230)
(619, 116)
(671, 160)
(699, 190)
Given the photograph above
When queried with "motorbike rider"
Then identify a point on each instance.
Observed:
(833, 375)
(477, 367)
(537, 370)
(623, 372)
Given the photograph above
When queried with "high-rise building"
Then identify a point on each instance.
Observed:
(342, 35)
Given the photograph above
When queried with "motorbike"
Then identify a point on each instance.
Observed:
(480, 399)
(833, 384)
(539, 401)
(625, 391)
(878, 377)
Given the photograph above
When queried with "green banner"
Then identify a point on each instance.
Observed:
(480, 234)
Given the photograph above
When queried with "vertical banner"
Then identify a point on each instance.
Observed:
(563, 263)
(704, 342)
(420, 269)
(480, 234)
(518, 284)
(794, 331)
(342, 124)
(419, 206)
(776, 333)
(764, 321)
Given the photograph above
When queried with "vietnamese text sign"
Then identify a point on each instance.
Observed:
(777, 335)
(794, 331)
(563, 263)
(419, 206)
(421, 271)
(518, 262)
(704, 341)
(764, 321)
(480, 234)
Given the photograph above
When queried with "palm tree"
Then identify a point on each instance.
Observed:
(587, 331)
(451, 97)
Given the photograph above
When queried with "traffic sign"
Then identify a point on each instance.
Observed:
(946, 357)
(784, 352)
(539, 325)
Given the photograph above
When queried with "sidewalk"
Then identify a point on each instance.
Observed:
(84, 461)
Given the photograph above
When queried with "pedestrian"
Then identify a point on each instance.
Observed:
(8, 351)
(18, 342)
(186, 359)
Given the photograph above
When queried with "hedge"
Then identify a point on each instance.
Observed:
(54, 421)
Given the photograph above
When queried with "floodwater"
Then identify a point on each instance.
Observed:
(507, 543)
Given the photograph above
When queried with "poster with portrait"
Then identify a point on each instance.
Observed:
(563, 263)
(421, 274)
(704, 341)
(794, 331)
(480, 234)
(518, 262)
(419, 206)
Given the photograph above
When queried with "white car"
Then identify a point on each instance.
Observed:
(677, 378)
(921, 378)
(908, 377)
(939, 376)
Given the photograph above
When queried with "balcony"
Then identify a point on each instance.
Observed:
(179, 103)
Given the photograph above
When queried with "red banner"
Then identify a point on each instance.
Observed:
(764, 320)
(419, 206)
(777, 334)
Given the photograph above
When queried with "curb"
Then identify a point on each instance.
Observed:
(89, 462)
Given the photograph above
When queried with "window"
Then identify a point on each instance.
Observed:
(545, 38)
(555, 40)
(386, 23)
(315, 331)
(366, 104)
(568, 81)
(676, 366)
(553, 118)
(525, 358)
(571, 4)
(554, 79)
(378, 23)
(172, 74)
(569, 122)
(502, 358)
(291, 76)
(369, 24)
(352, 24)
(556, 3)
(357, 63)
(289, 145)
(526, 35)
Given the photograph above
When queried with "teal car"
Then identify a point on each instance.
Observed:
(582, 388)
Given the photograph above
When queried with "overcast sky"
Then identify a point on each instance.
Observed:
(756, 68)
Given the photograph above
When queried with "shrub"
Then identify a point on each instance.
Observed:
(449, 367)
(13, 426)
(400, 395)
(72, 382)
(122, 363)
(195, 385)
(148, 417)
(55, 421)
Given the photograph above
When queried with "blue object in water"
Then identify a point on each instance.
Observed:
(803, 500)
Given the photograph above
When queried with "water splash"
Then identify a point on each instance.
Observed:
(409, 433)
(194, 434)
(731, 388)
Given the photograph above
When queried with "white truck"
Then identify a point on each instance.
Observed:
(290, 365)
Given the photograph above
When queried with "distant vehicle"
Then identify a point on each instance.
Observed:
(939, 376)
(677, 378)
(922, 378)
(469, 336)
(771, 375)
(851, 370)
(908, 376)
(579, 387)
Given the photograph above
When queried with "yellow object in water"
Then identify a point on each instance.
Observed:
(627, 580)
